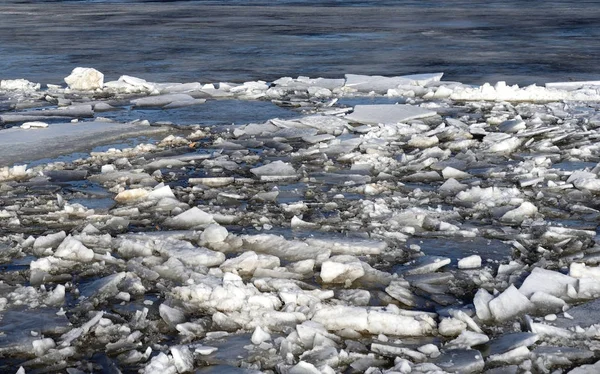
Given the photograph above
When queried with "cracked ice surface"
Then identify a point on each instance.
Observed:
(429, 227)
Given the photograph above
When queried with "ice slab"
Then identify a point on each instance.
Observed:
(341, 269)
(349, 246)
(380, 84)
(274, 169)
(72, 111)
(291, 250)
(190, 218)
(387, 114)
(460, 361)
(18, 145)
(586, 369)
(583, 315)
(167, 101)
(424, 264)
(509, 304)
(508, 342)
(571, 86)
(548, 281)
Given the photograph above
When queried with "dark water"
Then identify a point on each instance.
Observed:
(471, 41)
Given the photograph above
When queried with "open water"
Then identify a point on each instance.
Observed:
(208, 41)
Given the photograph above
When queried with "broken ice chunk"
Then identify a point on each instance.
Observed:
(460, 361)
(248, 262)
(72, 249)
(548, 281)
(48, 241)
(34, 125)
(167, 100)
(508, 342)
(349, 246)
(290, 250)
(468, 339)
(387, 114)
(191, 255)
(374, 321)
(214, 233)
(131, 195)
(424, 264)
(190, 218)
(259, 336)
(172, 316)
(182, 358)
(18, 85)
(341, 269)
(450, 172)
(470, 262)
(481, 301)
(518, 215)
(509, 304)
(85, 79)
(276, 169)
(512, 126)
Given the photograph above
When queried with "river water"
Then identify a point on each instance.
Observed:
(471, 41)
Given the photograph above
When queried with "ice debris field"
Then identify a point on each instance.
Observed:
(374, 224)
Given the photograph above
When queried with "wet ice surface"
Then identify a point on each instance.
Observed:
(353, 224)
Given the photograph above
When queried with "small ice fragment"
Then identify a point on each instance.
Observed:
(72, 249)
(34, 125)
(304, 367)
(131, 195)
(182, 358)
(470, 262)
(450, 172)
(205, 350)
(276, 168)
(505, 146)
(108, 168)
(190, 218)
(509, 303)
(481, 301)
(451, 327)
(259, 336)
(171, 316)
(468, 339)
(214, 233)
(41, 346)
(518, 215)
(341, 269)
(429, 349)
(512, 126)
(425, 264)
(298, 223)
(460, 361)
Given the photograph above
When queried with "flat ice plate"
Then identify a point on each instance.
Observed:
(387, 114)
(19, 145)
